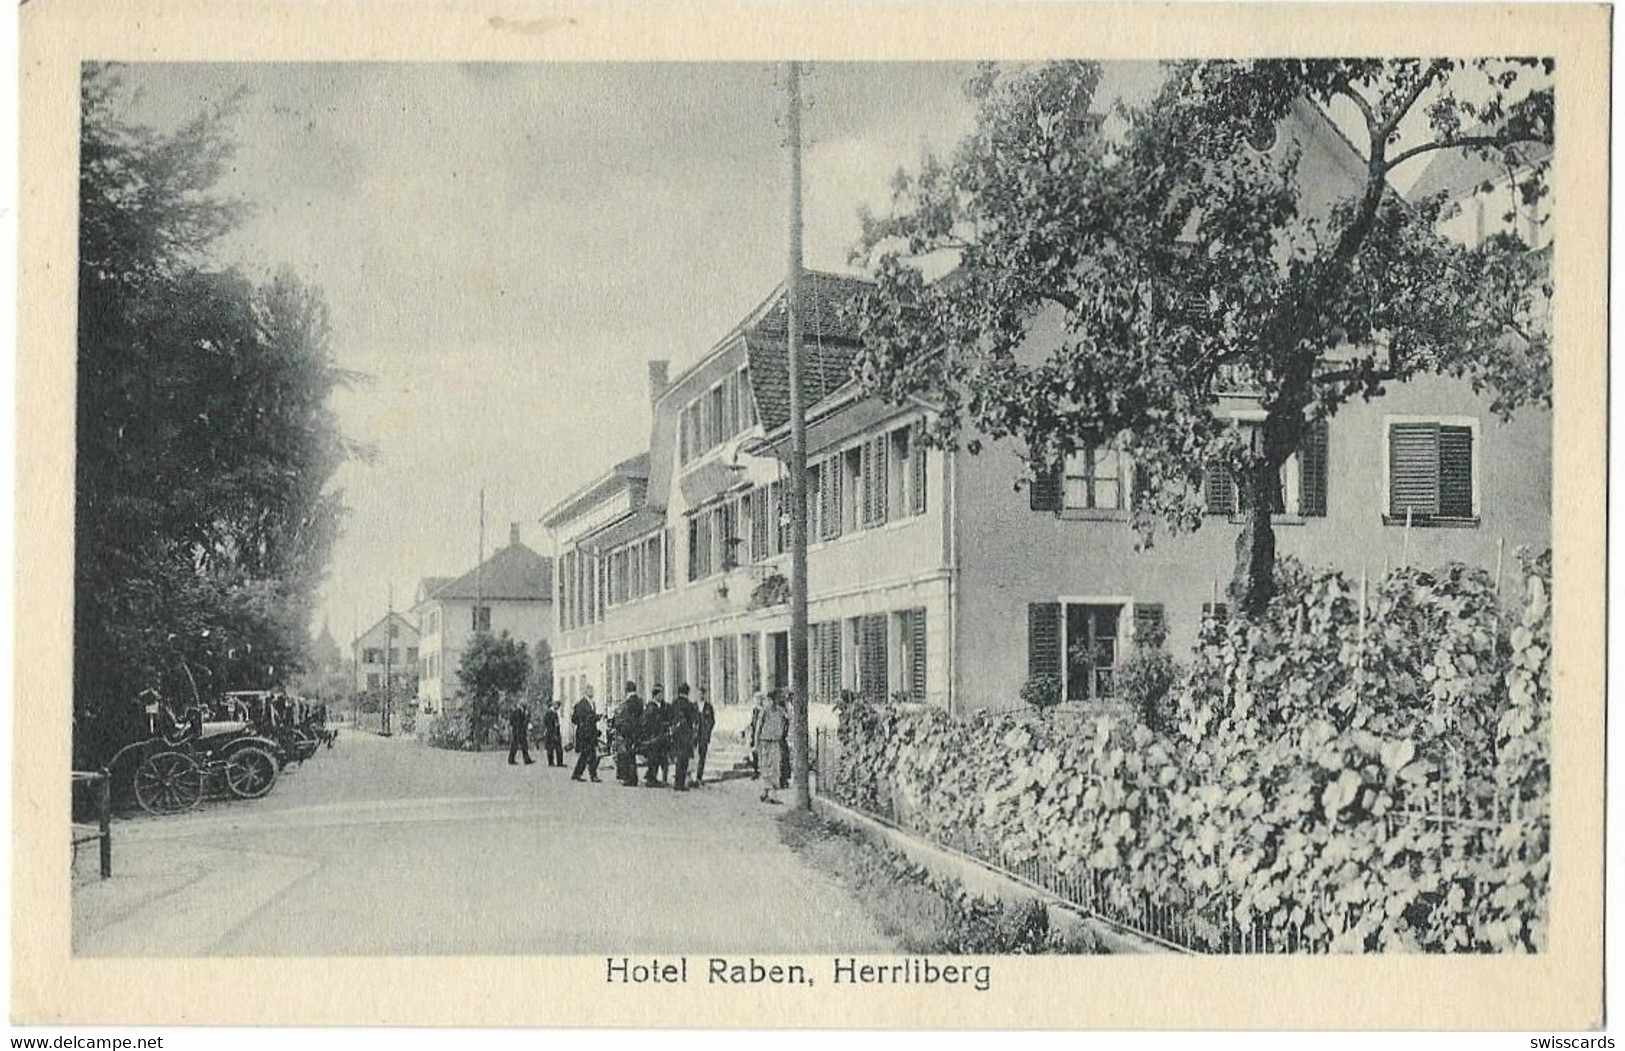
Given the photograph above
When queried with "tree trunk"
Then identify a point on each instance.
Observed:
(1253, 584)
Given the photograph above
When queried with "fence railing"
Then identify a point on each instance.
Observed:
(98, 784)
(1211, 927)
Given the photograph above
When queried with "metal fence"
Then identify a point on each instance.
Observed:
(1210, 927)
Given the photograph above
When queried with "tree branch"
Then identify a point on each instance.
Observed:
(1421, 85)
(1500, 142)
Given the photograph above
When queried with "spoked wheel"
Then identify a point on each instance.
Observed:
(250, 772)
(168, 783)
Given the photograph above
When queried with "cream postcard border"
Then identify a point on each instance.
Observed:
(1560, 989)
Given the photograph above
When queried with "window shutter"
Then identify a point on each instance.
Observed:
(916, 452)
(1312, 473)
(916, 671)
(829, 500)
(872, 656)
(1219, 490)
(1150, 629)
(882, 486)
(1413, 469)
(867, 458)
(1456, 472)
(1044, 638)
(1044, 493)
(758, 524)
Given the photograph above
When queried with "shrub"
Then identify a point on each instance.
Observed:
(1146, 681)
(1288, 810)
(1042, 691)
(449, 729)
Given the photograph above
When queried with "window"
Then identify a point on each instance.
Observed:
(699, 545)
(657, 668)
(778, 509)
(911, 653)
(717, 417)
(727, 535)
(872, 677)
(669, 558)
(675, 666)
(851, 474)
(898, 473)
(394, 655)
(727, 665)
(700, 667)
(372, 656)
(373, 680)
(1302, 486)
(1092, 635)
(1431, 473)
(481, 618)
(753, 662)
(747, 404)
(1095, 481)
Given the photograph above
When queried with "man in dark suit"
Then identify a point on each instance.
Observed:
(552, 735)
(628, 728)
(584, 717)
(518, 731)
(655, 738)
(702, 737)
(684, 721)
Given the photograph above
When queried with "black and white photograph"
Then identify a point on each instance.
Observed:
(818, 525)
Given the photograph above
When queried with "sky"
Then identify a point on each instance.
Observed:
(504, 247)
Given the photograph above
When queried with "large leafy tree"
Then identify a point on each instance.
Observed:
(205, 444)
(1168, 249)
(493, 667)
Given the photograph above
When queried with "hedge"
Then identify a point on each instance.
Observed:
(1339, 789)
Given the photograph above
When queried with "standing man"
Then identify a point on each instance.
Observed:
(702, 739)
(518, 730)
(655, 731)
(770, 735)
(552, 736)
(628, 726)
(584, 718)
(684, 720)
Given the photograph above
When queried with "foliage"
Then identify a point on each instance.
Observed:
(1285, 814)
(205, 444)
(774, 590)
(493, 669)
(1146, 680)
(449, 728)
(539, 688)
(927, 913)
(1117, 265)
(1041, 691)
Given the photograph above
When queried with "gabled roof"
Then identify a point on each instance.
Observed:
(386, 618)
(513, 574)
(632, 473)
(429, 585)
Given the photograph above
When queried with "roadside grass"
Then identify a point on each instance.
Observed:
(924, 913)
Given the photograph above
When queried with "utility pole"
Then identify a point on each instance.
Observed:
(798, 457)
(479, 568)
(384, 728)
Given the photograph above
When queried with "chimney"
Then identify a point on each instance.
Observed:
(659, 379)
(513, 534)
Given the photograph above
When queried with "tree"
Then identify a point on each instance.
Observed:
(205, 445)
(492, 667)
(540, 687)
(1172, 246)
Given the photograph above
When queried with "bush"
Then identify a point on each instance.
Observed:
(1146, 680)
(1286, 807)
(1042, 691)
(449, 729)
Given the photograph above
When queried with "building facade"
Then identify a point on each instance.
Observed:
(949, 578)
(387, 654)
(511, 591)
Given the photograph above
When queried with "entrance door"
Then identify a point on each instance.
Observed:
(1092, 634)
(778, 644)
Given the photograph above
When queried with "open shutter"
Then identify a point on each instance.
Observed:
(916, 671)
(1150, 629)
(1044, 638)
(1456, 472)
(916, 452)
(882, 457)
(1219, 490)
(1312, 471)
(1044, 494)
(867, 483)
(830, 498)
(872, 656)
(1413, 469)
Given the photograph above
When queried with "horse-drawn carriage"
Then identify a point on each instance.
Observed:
(187, 757)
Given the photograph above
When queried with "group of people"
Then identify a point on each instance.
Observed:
(669, 739)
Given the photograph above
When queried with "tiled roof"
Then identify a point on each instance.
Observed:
(828, 343)
(632, 472)
(429, 585)
(513, 573)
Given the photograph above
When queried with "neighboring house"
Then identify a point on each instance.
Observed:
(387, 652)
(511, 591)
(930, 575)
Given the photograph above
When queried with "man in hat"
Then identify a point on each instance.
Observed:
(552, 735)
(684, 719)
(702, 738)
(584, 717)
(518, 733)
(628, 726)
(656, 731)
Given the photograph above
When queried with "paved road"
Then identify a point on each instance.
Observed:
(383, 847)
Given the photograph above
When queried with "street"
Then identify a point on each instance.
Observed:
(386, 847)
